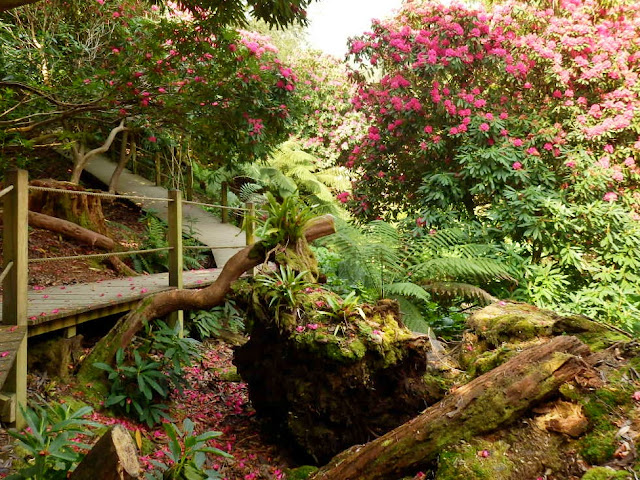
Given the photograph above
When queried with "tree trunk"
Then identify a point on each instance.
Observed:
(113, 457)
(80, 158)
(124, 158)
(481, 406)
(163, 303)
(85, 210)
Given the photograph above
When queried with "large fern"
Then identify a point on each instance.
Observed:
(414, 271)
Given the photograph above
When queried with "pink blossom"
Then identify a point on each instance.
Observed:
(152, 139)
(484, 127)
(610, 197)
(517, 142)
(570, 164)
(115, 14)
(516, 166)
(533, 151)
(636, 396)
(608, 148)
(312, 326)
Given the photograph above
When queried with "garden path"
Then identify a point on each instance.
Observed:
(223, 238)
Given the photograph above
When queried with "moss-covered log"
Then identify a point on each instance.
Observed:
(483, 405)
(328, 386)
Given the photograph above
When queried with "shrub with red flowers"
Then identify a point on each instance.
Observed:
(224, 90)
(521, 119)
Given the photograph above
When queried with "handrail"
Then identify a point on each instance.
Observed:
(97, 194)
(191, 202)
(5, 271)
(6, 190)
(100, 255)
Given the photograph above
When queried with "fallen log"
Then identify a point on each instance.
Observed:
(113, 457)
(80, 234)
(481, 406)
(163, 303)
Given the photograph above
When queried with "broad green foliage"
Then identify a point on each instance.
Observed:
(523, 120)
(187, 454)
(51, 442)
(141, 382)
(208, 323)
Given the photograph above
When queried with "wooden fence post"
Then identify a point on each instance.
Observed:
(224, 201)
(250, 222)
(14, 305)
(175, 254)
(158, 165)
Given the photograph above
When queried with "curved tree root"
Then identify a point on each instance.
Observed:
(163, 303)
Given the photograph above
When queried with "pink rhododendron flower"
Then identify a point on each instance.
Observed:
(152, 139)
(516, 166)
(636, 396)
(484, 127)
(610, 197)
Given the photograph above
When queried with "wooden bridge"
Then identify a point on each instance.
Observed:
(29, 312)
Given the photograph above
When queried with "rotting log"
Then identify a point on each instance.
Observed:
(163, 303)
(80, 234)
(481, 406)
(113, 457)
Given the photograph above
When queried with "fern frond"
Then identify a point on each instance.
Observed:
(450, 290)
(450, 268)
(412, 316)
(407, 290)
(251, 192)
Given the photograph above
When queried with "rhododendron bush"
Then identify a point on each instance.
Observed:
(157, 68)
(522, 121)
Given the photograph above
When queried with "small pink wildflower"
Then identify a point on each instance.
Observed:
(484, 453)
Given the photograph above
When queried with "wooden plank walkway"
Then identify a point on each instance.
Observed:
(10, 338)
(55, 308)
(197, 223)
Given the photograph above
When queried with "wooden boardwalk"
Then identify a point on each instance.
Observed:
(223, 238)
(55, 308)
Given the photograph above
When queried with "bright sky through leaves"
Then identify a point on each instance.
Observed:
(333, 21)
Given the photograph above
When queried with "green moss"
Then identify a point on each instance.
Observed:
(606, 473)
(489, 360)
(300, 473)
(466, 461)
(598, 446)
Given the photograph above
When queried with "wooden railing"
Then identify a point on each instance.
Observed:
(14, 275)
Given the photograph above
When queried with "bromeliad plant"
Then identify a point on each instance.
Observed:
(187, 454)
(49, 441)
(282, 288)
